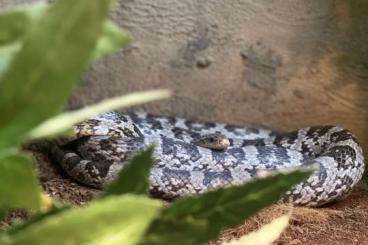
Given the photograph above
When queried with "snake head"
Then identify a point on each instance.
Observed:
(214, 141)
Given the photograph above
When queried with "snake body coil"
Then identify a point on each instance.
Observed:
(106, 142)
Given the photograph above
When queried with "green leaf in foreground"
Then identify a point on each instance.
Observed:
(38, 217)
(134, 177)
(198, 219)
(16, 21)
(49, 207)
(65, 121)
(3, 213)
(14, 24)
(111, 39)
(113, 220)
(55, 51)
(6, 55)
(18, 185)
(266, 235)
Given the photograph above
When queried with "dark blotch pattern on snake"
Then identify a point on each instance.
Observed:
(104, 144)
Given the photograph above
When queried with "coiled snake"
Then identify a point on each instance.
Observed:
(105, 143)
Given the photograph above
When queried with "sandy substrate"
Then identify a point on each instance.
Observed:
(345, 222)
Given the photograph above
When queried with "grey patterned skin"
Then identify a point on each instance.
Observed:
(104, 144)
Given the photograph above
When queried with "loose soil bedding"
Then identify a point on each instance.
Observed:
(344, 222)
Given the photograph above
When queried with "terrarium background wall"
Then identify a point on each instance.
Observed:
(279, 64)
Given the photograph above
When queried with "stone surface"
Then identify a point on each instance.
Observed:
(281, 65)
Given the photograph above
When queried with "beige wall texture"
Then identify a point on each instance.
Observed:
(278, 64)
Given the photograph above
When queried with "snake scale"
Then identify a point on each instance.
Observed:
(104, 144)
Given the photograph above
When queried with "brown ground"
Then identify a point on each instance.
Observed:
(345, 222)
(342, 223)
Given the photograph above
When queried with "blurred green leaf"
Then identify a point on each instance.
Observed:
(6, 55)
(111, 39)
(134, 177)
(113, 220)
(3, 213)
(14, 24)
(18, 185)
(56, 49)
(266, 235)
(16, 21)
(38, 217)
(10, 151)
(198, 219)
(65, 121)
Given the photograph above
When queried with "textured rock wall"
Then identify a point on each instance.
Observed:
(280, 64)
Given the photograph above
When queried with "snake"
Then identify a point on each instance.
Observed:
(193, 157)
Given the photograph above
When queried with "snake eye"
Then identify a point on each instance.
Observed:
(211, 139)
